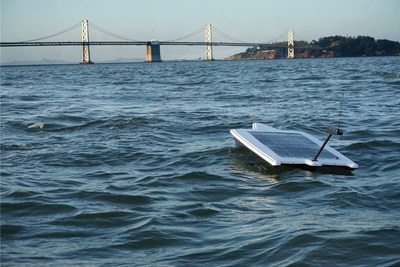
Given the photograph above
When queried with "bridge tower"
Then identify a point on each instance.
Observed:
(290, 44)
(85, 41)
(208, 41)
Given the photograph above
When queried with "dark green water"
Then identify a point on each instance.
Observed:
(135, 166)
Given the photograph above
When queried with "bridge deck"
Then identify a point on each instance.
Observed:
(142, 43)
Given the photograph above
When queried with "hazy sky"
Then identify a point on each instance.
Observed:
(255, 20)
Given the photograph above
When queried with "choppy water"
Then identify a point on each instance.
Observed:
(134, 164)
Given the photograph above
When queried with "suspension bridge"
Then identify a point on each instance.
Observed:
(153, 51)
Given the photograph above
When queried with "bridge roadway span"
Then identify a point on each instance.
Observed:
(139, 43)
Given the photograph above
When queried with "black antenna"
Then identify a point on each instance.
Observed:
(331, 132)
(340, 111)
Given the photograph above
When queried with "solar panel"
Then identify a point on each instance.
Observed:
(290, 145)
(280, 147)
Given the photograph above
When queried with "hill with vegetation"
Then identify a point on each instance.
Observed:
(326, 47)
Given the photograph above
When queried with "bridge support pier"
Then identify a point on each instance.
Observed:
(290, 44)
(85, 41)
(208, 40)
(153, 53)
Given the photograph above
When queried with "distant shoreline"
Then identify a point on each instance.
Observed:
(326, 47)
(33, 64)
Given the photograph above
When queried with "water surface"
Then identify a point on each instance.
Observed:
(134, 164)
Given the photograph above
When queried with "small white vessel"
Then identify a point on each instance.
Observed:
(282, 147)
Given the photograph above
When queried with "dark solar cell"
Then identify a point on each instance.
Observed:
(291, 145)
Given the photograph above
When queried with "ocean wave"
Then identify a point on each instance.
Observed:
(345, 250)
(9, 230)
(87, 220)
(298, 187)
(376, 144)
(348, 198)
(29, 208)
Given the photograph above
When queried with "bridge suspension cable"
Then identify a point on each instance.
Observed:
(201, 30)
(282, 38)
(227, 36)
(299, 37)
(94, 26)
(56, 34)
